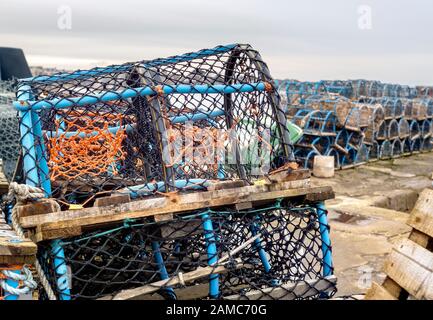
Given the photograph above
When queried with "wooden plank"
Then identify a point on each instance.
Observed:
(289, 291)
(289, 175)
(17, 260)
(421, 217)
(111, 200)
(392, 287)
(53, 230)
(230, 184)
(164, 205)
(411, 266)
(44, 234)
(36, 208)
(377, 292)
(16, 251)
(420, 238)
(139, 292)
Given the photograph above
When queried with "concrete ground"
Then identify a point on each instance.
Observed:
(369, 213)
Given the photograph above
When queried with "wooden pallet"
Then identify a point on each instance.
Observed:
(13, 250)
(4, 184)
(45, 222)
(409, 267)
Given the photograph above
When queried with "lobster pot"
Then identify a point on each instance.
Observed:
(152, 126)
(406, 146)
(374, 89)
(414, 130)
(359, 88)
(387, 90)
(382, 132)
(316, 122)
(374, 151)
(392, 90)
(9, 129)
(426, 145)
(349, 158)
(406, 92)
(332, 152)
(7, 95)
(388, 106)
(363, 154)
(305, 155)
(416, 145)
(424, 92)
(288, 255)
(396, 148)
(398, 108)
(419, 109)
(340, 106)
(429, 103)
(425, 128)
(358, 117)
(342, 88)
(394, 108)
(281, 85)
(341, 140)
(393, 129)
(355, 140)
(385, 150)
(297, 92)
(292, 110)
(376, 119)
(319, 143)
(407, 105)
(403, 128)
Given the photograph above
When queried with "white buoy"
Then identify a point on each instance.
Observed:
(323, 166)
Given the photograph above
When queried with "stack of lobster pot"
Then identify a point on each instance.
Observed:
(359, 120)
(334, 126)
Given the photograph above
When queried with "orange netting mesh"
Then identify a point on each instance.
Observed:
(91, 149)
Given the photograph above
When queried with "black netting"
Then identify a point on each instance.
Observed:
(152, 126)
(9, 129)
(274, 252)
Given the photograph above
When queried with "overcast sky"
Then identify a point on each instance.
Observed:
(306, 40)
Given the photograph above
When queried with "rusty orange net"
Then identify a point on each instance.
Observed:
(84, 146)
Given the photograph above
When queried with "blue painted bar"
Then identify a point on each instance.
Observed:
(211, 254)
(13, 284)
(60, 270)
(161, 266)
(130, 127)
(200, 115)
(124, 68)
(28, 142)
(44, 172)
(259, 248)
(326, 241)
(141, 91)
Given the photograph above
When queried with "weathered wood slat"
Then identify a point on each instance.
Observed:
(377, 292)
(14, 250)
(187, 202)
(289, 291)
(200, 272)
(97, 216)
(411, 266)
(422, 215)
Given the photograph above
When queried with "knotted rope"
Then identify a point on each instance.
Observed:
(24, 193)
(25, 278)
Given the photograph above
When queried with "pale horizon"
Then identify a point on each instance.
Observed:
(310, 40)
